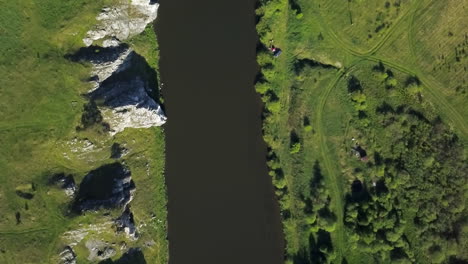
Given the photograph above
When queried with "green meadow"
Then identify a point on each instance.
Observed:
(41, 104)
(366, 120)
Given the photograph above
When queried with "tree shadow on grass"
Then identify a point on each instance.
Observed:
(295, 6)
(293, 137)
(354, 84)
(317, 176)
(314, 254)
(359, 193)
(132, 256)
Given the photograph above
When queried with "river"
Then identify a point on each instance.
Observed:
(222, 207)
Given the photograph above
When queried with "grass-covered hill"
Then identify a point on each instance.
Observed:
(366, 119)
(41, 106)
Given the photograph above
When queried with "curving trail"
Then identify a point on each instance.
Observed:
(24, 231)
(410, 13)
(355, 51)
(336, 190)
(432, 86)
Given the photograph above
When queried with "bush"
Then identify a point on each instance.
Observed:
(414, 89)
(262, 88)
(307, 128)
(295, 148)
(274, 107)
(91, 115)
(391, 82)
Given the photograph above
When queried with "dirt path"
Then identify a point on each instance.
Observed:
(432, 86)
(333, 176)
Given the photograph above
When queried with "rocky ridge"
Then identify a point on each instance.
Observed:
(123, 97)
(125, 223)
(124, 91)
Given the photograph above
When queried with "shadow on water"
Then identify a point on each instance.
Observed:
(221, 202)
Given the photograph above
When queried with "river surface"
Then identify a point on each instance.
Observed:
(222, 207)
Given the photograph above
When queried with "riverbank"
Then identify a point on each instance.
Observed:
(339, 100)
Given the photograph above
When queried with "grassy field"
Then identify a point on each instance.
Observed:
(40, 106)
(388, 77)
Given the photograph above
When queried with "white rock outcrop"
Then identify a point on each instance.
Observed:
(126, 224)
(126, 101)
(99, 250)
(125, 20)
(105, 69)
(131, 116)
(125, 98)
(67, 256)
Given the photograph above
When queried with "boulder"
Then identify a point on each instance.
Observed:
(118, 151)
(99, 250)
(125, 223)
(107, 187)
(67, 256)
(66, 182)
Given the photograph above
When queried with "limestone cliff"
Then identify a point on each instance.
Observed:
(122, 21)
(119, 84)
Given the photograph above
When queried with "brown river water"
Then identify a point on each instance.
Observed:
(222, 207)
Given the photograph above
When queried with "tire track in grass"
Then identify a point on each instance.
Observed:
(433, 89)
(411, 27)
(25, 231)
(431, 85)
(334, 180)
(411, 41)
(349, 47)
(412, 9)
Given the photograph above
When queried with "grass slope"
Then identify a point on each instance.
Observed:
(40, 106)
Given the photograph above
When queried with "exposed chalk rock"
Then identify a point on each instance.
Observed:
(67, 256)
(74, 237)
(118, 151)
(119, 74)
(105, 68)
(122, 21)
(125, 223)
(106, 61)
(136, 110)
(124, 92)
(122, 84)
(66, 182)
(113, 42)
(99, 250)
